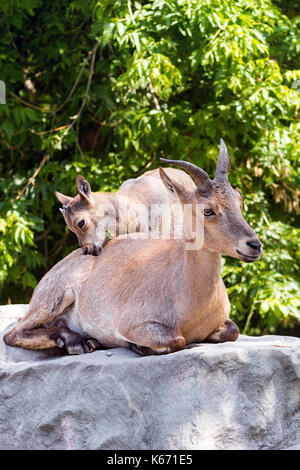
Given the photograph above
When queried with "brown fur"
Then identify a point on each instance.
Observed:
(154, 296)
(121, 212)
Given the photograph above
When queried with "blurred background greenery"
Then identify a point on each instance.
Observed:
(104, 88)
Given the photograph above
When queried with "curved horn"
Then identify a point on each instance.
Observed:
(223, 163)
(200, 177)
(229, 162)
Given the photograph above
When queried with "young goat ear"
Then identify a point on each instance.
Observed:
(84, 189)
(62, 198)
(173, 186)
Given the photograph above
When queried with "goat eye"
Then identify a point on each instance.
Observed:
(208, 212)
(81, 223)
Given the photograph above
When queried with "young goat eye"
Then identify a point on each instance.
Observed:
(208, 212)
(81, 223)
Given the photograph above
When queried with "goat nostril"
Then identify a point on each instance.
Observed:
(256, 245)
(85, 251)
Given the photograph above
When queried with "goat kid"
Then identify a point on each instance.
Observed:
(142, 204)
(151, 295)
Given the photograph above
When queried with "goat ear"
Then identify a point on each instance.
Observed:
(63, 199)
(173, 186)
(84, 189)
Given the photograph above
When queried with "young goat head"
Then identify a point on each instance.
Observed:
(225, 229)
(94, 216)
(84, 217)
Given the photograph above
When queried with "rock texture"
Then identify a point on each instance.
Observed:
(243, 395)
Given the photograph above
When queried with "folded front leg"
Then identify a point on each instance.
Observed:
(153, 338)
(226, 332)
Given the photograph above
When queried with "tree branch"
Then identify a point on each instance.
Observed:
(31, 180)
(30, 105)
(86, 94)
(74, 86)
(156, 102)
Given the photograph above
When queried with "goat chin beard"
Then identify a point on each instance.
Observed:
(238, 255)
(247, 258)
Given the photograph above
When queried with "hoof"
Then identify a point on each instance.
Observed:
(72, 342)
(93, 344)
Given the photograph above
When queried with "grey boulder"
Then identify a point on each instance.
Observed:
(242, 395)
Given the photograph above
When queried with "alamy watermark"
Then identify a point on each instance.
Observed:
(159, 221)
(2, 92)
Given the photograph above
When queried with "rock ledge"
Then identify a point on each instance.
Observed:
(242, 395)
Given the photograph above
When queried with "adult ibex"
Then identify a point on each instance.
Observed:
(138, 206)
(153, 296)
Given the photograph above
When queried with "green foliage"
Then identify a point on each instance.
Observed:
(105, 88)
